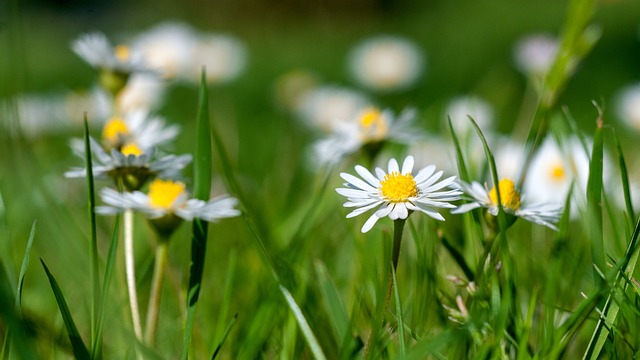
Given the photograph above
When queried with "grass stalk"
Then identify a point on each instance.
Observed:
(130, 269)
(153, 310)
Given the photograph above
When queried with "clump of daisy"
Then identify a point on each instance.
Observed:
(386, 63)
(114, 63)
(460, 108)
(369, 130)
(137, 127)
(628, 106)
(324, 107)
(534, 54)
(396, 192)
(512, 203)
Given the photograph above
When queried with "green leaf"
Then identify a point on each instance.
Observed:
(594, 202)
(79, 349)
(624, 177)
(224, 336)
(396, 294)
(316, 350)
(202, 188)
(25, 265)
(333, 305)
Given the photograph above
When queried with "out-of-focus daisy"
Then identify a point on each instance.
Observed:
(534, 54)
(434, 150)
(554, 168)
(628, 106)
(138, 128)
(223, 56)
(509, 157)
(396, 193)
(143, 91)
(386, 63)
(115, 64)
(291, 87)
(167, 203)
(460, 108)
(168, 48)
(131, 165)
(326, 106)
(546, 214)
(370, 128)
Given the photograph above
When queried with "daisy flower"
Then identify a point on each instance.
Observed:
(534, 54)
(326, 106)
(543, 214)
(131, 165)
(396, 193)
(223, 56)
(370, 128)
(628, 106)
(168, 202)
(460, 108)
(386, 63)
(139, 128)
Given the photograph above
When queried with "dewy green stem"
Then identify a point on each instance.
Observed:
(131, 273)
(156, 291)
(398, 227)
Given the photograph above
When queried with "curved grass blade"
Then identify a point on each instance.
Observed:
(94, 273)
(624, 176)
(396, 294)
(594, 203)
(316, 350)
(79, 349)
(25, 265)
(96, 351)
(333, 305)
(16, 339)
(201, 190)
(224, 336)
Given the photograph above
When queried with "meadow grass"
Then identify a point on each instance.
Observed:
(291, 277)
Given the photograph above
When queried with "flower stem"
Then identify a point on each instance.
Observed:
(131, 273)
(153, 309)
(398, 226)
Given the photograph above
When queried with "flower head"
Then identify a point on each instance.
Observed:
(534, 54)
(324, 107)
(168, 202)
(386, 63)
(628, 106)
(139, 128)
(397, 192)
(511, 201)
(223, 56)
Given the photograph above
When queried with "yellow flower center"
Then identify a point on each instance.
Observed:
(122, 52)
(396, 187)
(508, 194)
(131, 149)
(114, 129)
(163, 193)
(373, 125)
(557, 172)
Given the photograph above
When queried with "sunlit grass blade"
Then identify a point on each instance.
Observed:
(96, 351)
(611, 307)
(224, 336)
(624, 177)
(333, 305)
(25, 265)
(94, 273)
(396, 294)
(201, 190)
(309, 336)
(79, 348)
(594, 202)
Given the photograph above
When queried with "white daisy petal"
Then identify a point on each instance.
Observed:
(393, 166)
(407, 165)
(369, 223)
(360, 184)
(367, 175)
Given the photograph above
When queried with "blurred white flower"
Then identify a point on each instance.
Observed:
(434, 150)
(139, 128)
(95, 49)
(143, 91)
(396, 192)
(168, 48)
(509, 156)
(167, 198)
(546, 214)
(223, 56)
(291, 87)
(324, 107)
(386, 63)
(460, 108)
(369, 126)
(628, 106)
(534, 54)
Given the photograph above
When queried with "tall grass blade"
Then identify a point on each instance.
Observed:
(316, 350)
(79, 349)
(333, 305)
(93, 241)
(201, 190)
(226, 300)
(25, 265)
(624, 177)
(96, 351)
(16, 340)
(224, 336)
(396, 294)
(594, 203)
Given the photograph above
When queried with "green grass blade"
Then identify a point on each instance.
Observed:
(594, 203)
(396, 294)
(201, 190)
(624, 177)
(333, 305)
(226, 300)
(25, 265)
(96, 351)
(93, 241)
(79, 349)
(316, 350)
(224, 336)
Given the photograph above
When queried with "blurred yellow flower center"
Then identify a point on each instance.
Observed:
(373, 125)
(508, 194)
(122, 52)
(131, 149)
(396, 187)
(557, 172)
(163, 193)
(114, 129)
